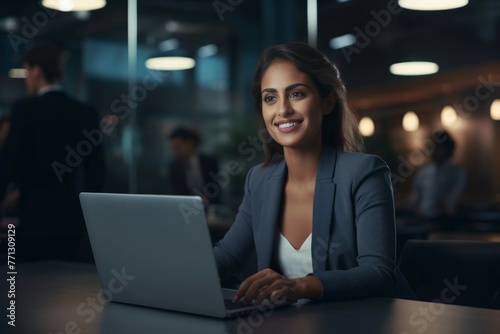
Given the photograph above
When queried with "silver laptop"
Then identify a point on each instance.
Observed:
(156, 251)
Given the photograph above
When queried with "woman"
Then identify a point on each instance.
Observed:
(320, 217)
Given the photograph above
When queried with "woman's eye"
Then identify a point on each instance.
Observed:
(268, 99)
(296, 94)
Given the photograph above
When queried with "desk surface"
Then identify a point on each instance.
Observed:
(59, 297)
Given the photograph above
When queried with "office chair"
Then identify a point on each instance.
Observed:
(453, 272)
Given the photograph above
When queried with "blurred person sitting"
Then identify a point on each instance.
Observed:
(191, 172)
(52, 152)
(438, 186)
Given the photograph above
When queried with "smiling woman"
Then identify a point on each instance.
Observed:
(321, 79)
(290, 111)
(319, 215)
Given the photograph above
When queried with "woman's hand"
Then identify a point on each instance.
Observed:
(268, 284)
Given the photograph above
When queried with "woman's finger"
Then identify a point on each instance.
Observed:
(280, 290)
(242, 290)
(251, 287)
(259, 285)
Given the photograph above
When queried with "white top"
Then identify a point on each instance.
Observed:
(294, 263)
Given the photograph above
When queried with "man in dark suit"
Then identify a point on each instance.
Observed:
(192, 173)
(53, 152)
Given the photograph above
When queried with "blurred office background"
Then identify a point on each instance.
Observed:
(107, 49)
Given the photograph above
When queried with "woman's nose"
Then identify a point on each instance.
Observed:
(285, 108)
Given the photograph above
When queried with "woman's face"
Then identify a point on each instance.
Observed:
(292, 107)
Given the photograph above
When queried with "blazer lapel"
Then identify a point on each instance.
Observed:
(324, 197)
(270, 214)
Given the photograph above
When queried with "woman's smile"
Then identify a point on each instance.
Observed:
(287, 126)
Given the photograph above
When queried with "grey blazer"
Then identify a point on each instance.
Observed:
(353, 233)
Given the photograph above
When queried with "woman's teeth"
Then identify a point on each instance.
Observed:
(288, 125)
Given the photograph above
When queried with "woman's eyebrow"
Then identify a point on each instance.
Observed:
(292, 86)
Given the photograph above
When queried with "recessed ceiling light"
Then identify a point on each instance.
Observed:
(414, 68)
(74, 5)
(18, 73)
(366, 127)
(432, 4)
(170, 63)
(342, 41)
(495, 110)
(448, 116)
(410, 121)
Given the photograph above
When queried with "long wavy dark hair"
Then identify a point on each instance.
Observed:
(340, 127)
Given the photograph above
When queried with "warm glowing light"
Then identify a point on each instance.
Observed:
(410, 121)
(414, 68)
(495, 110)
(366, 126)
(18, 73)
(432, 4)
(170, 63)
(74, 5)
(448, 116)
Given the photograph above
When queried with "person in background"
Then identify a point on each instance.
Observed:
(318, 213)
(52, 152)
(437, 187)
(191, 172)
(4, 130)
(9, 206)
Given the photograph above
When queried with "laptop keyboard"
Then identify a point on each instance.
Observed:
(233, 306)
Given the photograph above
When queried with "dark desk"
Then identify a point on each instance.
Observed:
(59, 297)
